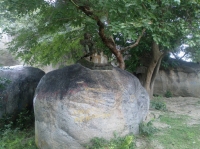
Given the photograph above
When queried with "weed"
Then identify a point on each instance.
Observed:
(147, 129)
(25, 119)
(17, 134)
(158, 104)
(177, 120)
(6, 123)
(16, 139)
(3, 82)
(168, 94)
(115, 143)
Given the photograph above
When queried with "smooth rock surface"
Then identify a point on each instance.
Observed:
(18, 94)
(75, 104)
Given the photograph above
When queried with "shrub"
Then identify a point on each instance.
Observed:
(168, 94)
(158, 104)
(147, 129)
(115, 143)
(3, 82)
(17, 134)
(24, 120)
(17, 139)
(6, 123)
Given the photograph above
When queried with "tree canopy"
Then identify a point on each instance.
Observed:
(50, 31)
(47, 30)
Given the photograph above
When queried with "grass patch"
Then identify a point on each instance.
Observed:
(179, 135)
(115, 143)
(17, 139)
(174, 120)
(19, 133)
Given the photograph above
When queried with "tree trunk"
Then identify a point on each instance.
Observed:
(108, 41)
(153, 68)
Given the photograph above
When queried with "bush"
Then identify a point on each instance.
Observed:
(18, 134)
(3, 82)
(168, 94)
(24, 120)
(17, 139)
(115, 143)
(147, 129)
(158, 104)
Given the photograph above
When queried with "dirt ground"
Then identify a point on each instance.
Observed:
(187, 106)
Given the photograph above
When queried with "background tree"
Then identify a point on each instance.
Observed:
(53, 30)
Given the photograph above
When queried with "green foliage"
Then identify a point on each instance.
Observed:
(158, 104)
(16, 139)
(175, 131)
(115, 143)
(168, 94)
(147, 129)
(179, 134)
(44, 31)
(165, 65)
(168, 62)
(139, 56)
(24, 120)
(4, 82)
(17, 134)
(5, 123)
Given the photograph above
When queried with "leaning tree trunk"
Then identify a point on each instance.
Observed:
(108, 41)
(153, 68)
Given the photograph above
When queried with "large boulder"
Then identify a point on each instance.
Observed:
(182, 80)
(74, 104)
(19, 84)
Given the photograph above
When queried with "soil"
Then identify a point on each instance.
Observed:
(189, 106)
(185, 106)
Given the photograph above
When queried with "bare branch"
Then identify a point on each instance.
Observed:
(135, 44)
(174, 55)
(108, 41)
(179, 58)
(183, 55)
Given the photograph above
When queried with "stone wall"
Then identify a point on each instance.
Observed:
(183, 80)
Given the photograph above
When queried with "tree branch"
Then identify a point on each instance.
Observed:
(183, 55)
(174, 55)
(155, 72)
(108, 41)
(74, 3)
(135, 44)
